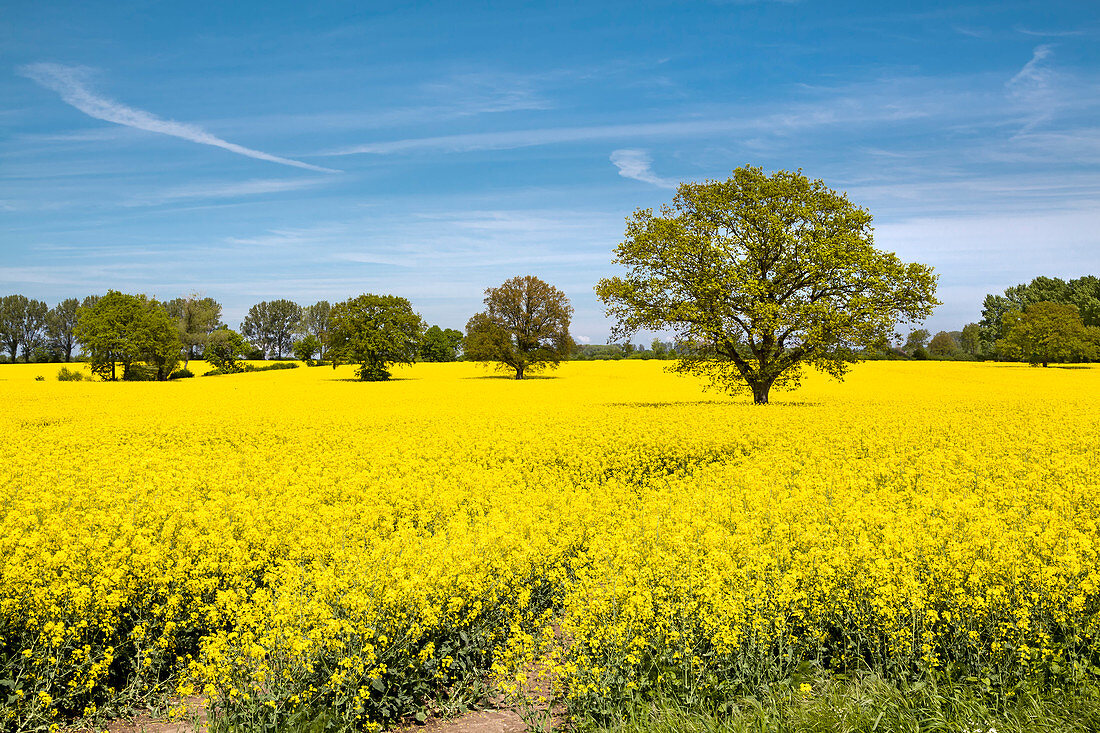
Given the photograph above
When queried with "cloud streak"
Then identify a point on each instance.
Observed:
(69, 82)
(1032, 85)
(241, 189)
(637, 165)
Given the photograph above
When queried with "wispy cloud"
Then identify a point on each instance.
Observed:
(637, 164)
(1049, 33)
(70, 83)
(972, 32)
(1033, 86)
(508, 139)
(845, 107)
(230, 190)
(1033, 75)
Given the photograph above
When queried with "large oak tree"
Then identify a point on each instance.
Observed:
(761, 275)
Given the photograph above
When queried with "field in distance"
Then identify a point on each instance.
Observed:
(299, 546)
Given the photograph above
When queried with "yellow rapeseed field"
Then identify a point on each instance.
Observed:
(293, 542)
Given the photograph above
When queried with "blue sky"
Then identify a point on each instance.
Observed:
(252, 151)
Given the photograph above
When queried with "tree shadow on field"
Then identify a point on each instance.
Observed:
(513, 379)
(714, 403)
(372, 381)
(1017, 365)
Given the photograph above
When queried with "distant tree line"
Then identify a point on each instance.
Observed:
(525, 326)
(1048, 320)
(662, 350)
(135, 337)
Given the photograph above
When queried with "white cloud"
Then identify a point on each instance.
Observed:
(69, 82)
(254, 187)
(637, 164)
(1032, 85)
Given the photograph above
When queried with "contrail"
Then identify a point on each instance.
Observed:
(67, 81)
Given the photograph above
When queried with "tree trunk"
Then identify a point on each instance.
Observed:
(760, 392)
(519, 372)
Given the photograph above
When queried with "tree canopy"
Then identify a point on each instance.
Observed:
(1083, 293)
(224, 349)
(271, 325)
(375, 331)
(61, 327)
(317, 322)
(22, 324)
(439, 344)
(126, 329)
(524, 328)
(1045, 333)
(195, 318)
(760, 275)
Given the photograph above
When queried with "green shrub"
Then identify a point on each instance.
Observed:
(65, 374)
(181, 374)
(270, 367)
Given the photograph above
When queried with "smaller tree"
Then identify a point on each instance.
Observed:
(225, 348)
(317, 322)
(918, 339)
(943, 346)
(440, 344)
(524, 328)
(61, 327)
(971, 339)
(195, 319)
(1046, 332)
(22, 324)
(375, 331)
(271, 326)
(305, 348)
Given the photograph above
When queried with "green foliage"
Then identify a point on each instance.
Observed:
(917, 339)
(1083, 293)
(195, 319)
(759, 276)
(866, 704)
(317, 322)
(277, 366)
(375, 331)
(61, 327)
(271, 326)
(305, 348)
(224, 349)
(1048, 332)
(440, 344)
(524, 328)
(64, 374)
(970, 340)
(944, 346)
(181, 374)
(120, 329)
(22, 324)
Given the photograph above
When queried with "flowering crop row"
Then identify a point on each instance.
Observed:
(292, 543)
